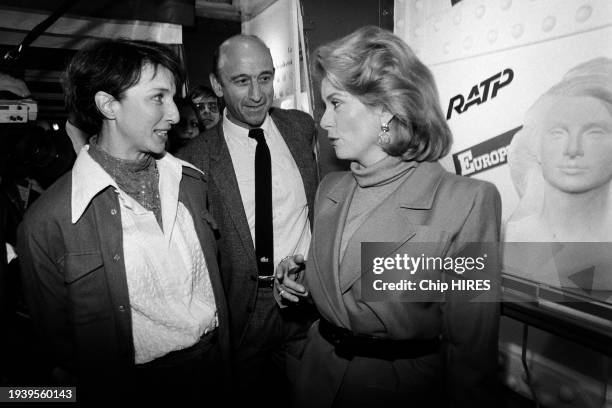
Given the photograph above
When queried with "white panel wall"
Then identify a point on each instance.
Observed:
(539, 40)
(468, 43)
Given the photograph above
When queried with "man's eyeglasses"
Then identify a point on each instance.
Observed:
(212, 106)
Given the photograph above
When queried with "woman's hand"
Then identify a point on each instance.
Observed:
(287, 273)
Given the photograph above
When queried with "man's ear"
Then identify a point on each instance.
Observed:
(106, 104)
(216, 85)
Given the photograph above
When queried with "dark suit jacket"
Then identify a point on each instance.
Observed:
(430, 206)
(75, 280)
(238, 262)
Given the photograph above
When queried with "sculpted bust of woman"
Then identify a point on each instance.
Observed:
(561, 166)
(561, 161)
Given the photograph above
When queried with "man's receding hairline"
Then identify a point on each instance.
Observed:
(243, 38)
(240, 39)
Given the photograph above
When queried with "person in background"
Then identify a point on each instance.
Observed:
(118, 256)
(187, 128)
(31, 157)
(383, 114)
(207, 106)
(10, 204)
(263, 180)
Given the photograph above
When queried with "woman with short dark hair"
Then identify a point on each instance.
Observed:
(118, 256)
(411, 348)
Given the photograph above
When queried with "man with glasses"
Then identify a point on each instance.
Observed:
(206, 104)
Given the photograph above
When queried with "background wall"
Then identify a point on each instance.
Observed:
(200, 42)
(465, 44)
(273, 26)
(520, 48)
(325, 21)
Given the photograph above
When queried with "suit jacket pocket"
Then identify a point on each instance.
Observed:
(86, 286)
(79, 265)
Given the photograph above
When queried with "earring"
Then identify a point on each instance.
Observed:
(384, 137)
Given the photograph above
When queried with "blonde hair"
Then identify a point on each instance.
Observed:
(382, 71)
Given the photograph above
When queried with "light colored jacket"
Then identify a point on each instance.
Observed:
(430, 205)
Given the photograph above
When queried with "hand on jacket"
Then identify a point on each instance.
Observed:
(287, 275)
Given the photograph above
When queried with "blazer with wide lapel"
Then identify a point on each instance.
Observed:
(430, 206)
(238, 262)
(398, 219)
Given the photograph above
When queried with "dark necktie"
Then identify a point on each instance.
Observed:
(264, 241)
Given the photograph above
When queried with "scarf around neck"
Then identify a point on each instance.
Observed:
(137, 178)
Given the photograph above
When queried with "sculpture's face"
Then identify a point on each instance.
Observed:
(576, 144)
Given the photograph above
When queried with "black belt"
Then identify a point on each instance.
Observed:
(349, 344)
(265, 281)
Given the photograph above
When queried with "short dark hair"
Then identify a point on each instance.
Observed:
(112, 66)
(201, 91)
(380, 69)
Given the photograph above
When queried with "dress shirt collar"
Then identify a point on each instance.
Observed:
(89, 179)
(230, 127)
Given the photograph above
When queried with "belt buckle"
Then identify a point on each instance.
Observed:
(265, 281)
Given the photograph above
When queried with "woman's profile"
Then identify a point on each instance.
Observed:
(383, 114)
